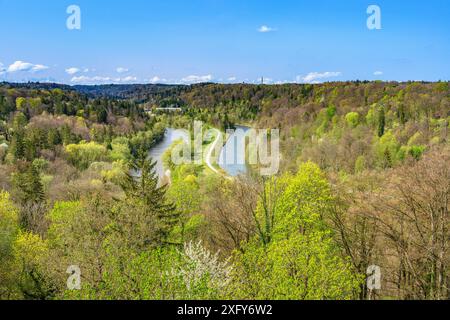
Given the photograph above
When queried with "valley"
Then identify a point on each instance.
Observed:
(363, 170)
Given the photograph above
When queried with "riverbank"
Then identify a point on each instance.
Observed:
(157, 152)
(235, 163)
(213, 160)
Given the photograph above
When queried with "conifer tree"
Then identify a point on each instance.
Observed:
(141, 185)
(29, 186)
(18, 146)
(381, 122)
(30, 194)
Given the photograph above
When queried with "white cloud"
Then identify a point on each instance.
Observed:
(378, 73)
(102, 80)
(126, 79)
(86, 70)
(26, 66)
(315, 77)
(231, 79)
(20, 66)
(72, 70)
(39, 67)
(122, 70)
(282, 82)
(90, 80)
(197, 79)
(2, 69)
(156, 79)
(265, 29)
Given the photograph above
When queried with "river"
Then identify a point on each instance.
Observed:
(157, 152)
(232, 156)
(232, 168)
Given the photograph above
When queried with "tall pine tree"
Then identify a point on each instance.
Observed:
(381, 122)
(29, 188)
(141, 185)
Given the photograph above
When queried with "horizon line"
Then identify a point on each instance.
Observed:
(221, 83)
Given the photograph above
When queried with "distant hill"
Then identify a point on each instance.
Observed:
(138, 92)
(37, 85)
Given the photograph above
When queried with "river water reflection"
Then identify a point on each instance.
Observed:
(157, 152)
(230, 156)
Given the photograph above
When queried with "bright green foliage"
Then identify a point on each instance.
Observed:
(40, 164)
(78, 234)
(414, 151)
(9, 227)
(8, 220)
(309, 267)
(83, 154)
(360, 164)
(144, 189)
(291, 233)
(184, 193)
(23, 257)
(386, 150)
(265, 216)
(301, 261)
(142, 276)
(162, 273)
(304, 202)
(116, 173)
(19, 121)
(189, 228)
(352, 119)
(323, 122)
(303, 267)
(331, 111)
(111, 247)
(20, 102)
(31, 255)
(371, 116)
(415, 139)
(120, 149)
(417, 151)
(143, 141)
(63, 217)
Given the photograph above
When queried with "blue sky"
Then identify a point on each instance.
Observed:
(186, 41)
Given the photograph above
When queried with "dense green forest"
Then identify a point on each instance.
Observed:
(364, 180)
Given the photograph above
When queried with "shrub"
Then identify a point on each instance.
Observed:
(83, 154)
(352, 119)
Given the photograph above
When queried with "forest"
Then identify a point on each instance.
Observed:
(364, 181)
